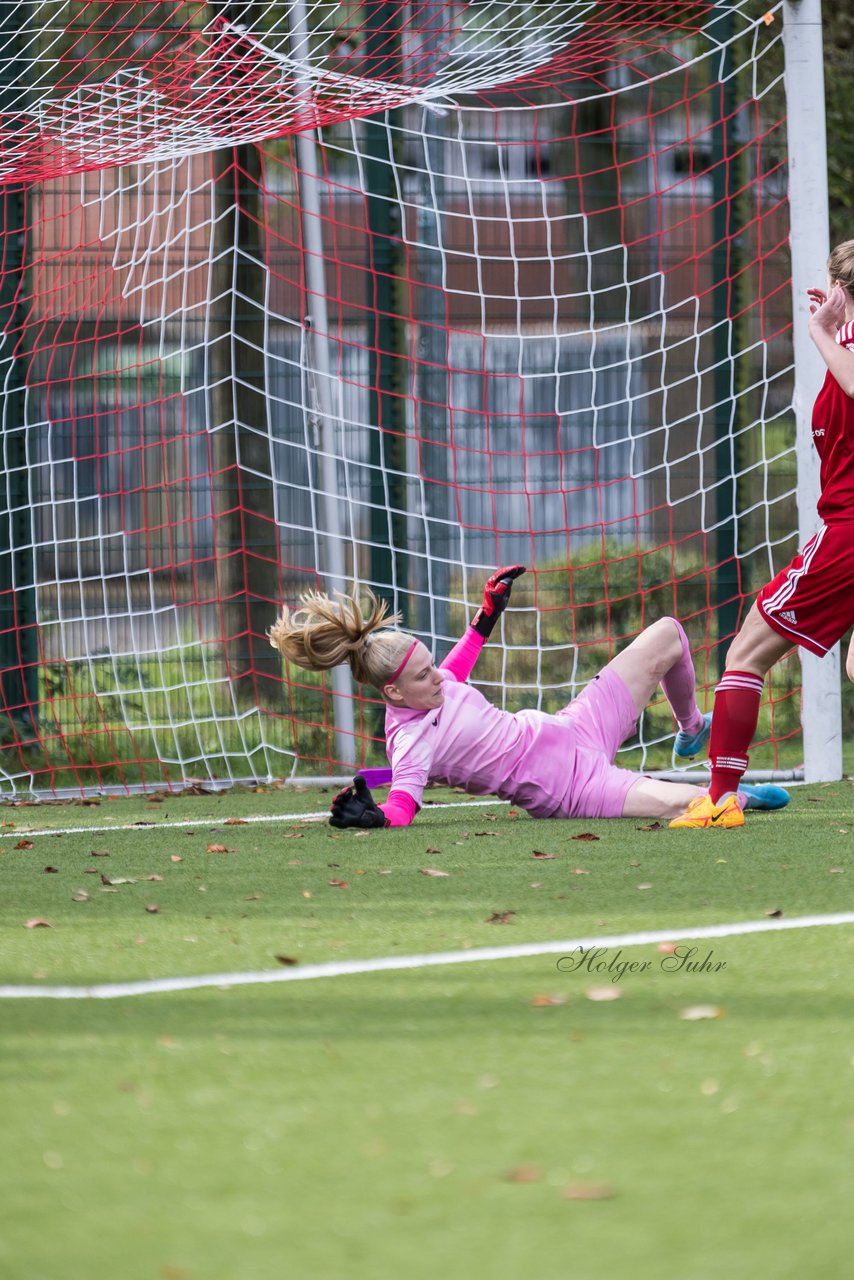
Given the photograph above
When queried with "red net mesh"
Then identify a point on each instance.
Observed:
(524, 298)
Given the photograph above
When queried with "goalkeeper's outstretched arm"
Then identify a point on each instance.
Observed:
(460, 661)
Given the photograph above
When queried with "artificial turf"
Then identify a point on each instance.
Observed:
(486, 1120)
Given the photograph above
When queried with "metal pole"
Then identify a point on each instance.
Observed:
(804, 78)
(317, 323)
(18, 614)
(382, 49)
(725, 257)
(429, 20)
(433, 383)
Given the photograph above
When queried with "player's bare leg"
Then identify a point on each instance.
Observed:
(654, 798)
(644, 663)
(849, 660)
(752, 654)
(757, 646)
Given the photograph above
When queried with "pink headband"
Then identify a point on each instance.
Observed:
(406, 658)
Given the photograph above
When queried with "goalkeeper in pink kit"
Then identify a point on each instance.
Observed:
(441, 729)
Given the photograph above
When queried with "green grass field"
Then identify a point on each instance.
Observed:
(489, 1119)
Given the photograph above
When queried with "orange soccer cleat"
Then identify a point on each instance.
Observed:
(703, 813)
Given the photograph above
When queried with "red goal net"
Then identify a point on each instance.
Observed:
(300, 295)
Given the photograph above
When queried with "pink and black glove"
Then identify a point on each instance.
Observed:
(496, 593)
(355, 807)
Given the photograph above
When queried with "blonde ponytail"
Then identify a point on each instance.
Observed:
(840, 266)
(323, 633)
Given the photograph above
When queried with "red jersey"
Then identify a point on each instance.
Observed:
(833, 436)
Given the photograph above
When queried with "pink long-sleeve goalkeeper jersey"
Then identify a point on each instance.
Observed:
(526, 757)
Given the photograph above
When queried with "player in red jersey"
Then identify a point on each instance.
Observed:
(811, 602)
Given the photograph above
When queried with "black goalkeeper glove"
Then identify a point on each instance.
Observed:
(496, 593)
(354, 807)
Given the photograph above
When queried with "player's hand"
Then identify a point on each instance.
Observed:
(829, 314)
(817, 299)
(496, 594)
(354, 806)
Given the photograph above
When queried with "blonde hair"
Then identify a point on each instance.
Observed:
(323, 633)
(840, 265)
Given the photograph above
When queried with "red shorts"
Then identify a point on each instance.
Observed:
(811, 602)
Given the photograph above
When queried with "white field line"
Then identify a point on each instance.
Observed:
(382, 964)
(317, 816)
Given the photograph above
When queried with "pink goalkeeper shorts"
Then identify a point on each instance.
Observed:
(601, 718)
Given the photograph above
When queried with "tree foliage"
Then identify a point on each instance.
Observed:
(838, 56)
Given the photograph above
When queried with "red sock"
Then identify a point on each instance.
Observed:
(734, 722)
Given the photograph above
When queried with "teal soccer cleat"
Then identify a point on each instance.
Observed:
(764, 796)
(691, 744)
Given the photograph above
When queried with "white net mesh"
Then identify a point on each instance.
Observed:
(458, 286)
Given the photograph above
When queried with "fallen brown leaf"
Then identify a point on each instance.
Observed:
(287, 960)
(50, 870)
(579, 871)
(38, 924)
(500, 917)
(487, 833)
(175, 857)
(79, 895)
(585, 835)
(25, 844)
(588, 1191)
(433, 871)
(524, 1173)
(218, 848)
(538, 853)
(100, 853)
(775, 913)
(339, 884)
(235, 822)
(546, 1001)
(653, 826)
(152, 909)
(431, 849)
(603, 994)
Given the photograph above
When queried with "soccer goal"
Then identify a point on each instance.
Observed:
(298, 295)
